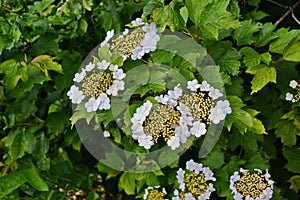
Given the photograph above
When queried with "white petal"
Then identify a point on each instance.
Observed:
(293, 84)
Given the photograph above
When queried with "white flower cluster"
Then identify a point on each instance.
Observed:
(102, 102)
(148, 190)
(222, 108)
(187, 126)
(198, 168)
(266, 194)
(150, 40)
(137, 125)
(290, 97)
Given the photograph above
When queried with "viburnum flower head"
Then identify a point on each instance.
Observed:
(195, 182)
(154, 193)
(251, 186)
(203, 105)
(162, 121)
(95, 84)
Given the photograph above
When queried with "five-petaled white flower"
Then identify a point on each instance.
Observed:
(89, 67)
(79, 76)
(137, 22)
(92, 104)
(104, 102)
(137, 53)
(204, 86)
(106, 133)
(293, 84)
(103, 65)
(198, 129)
(193, 85)
(174, 142)
(75, 95)
(119, 74)
(215, 93)
(145, 141)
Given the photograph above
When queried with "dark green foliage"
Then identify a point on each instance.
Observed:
(42, 45)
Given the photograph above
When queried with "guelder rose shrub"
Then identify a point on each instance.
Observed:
(148, 99)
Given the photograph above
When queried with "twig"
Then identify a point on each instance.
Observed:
(295, 18)
(278, 4)
(289, 11)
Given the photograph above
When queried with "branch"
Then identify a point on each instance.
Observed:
(295, 18)
(278, 4)
(289, 11)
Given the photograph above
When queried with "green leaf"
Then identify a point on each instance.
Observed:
(14, 71)
(87, 4)
(35, 76)
(235, 88)
(266, 35)
(56, 122)
(173, 18)
(39, 6)
(258, 15)
(151, 179)
(43, 163)
(17, 148)
(241, 119)
(295, 183)
(230, 63)
(245, 34)
(258, 126)
(248, 141)
(266, 58)
(81, 113)
(287, 132)
(45, 63)
(51, 48)
(195, 9)
(253, 2)
(256, 161)
(285, 37)
(169, 15)
(214, 160)
(292, 154)
(135, 78)
(216, 17)
(262, 75)
(115, 132)
(34, 179)
(252, 58)
(127, 182)
(10, 182)
(292, 53)
(184, 13)
(9, 34)
(41, 146)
